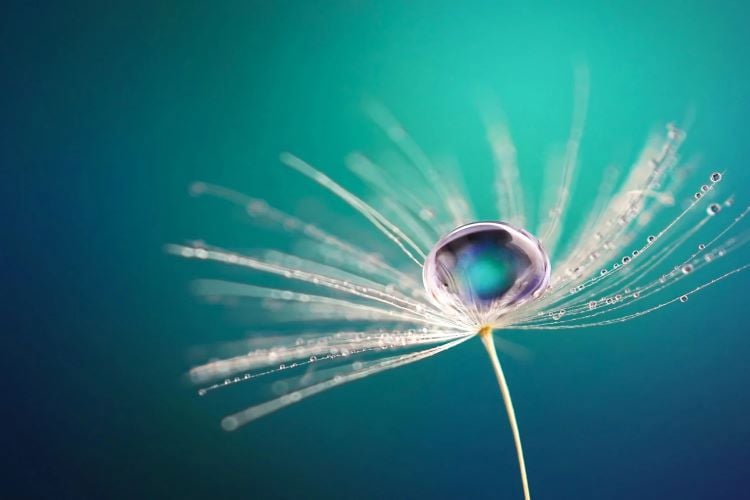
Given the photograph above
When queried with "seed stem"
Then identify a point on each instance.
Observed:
(485, 334)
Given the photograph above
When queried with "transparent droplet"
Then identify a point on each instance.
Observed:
(715, 177)
(487, 267)
(651, 238)
(625, 259)
(713, 209)
(684, 298)
(687, 269)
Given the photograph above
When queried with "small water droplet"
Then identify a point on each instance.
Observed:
(684, 298)
(713, 209)
(687, 269)
(715, 177)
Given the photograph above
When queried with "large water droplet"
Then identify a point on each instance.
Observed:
(485, 268)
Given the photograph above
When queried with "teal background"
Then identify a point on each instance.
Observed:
(110, 111)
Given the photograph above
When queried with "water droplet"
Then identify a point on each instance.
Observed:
(713, 209)
(684, 298)
(701, 246)
(487, 266)
(687, 269)
(625, 259)
(603, 272)
(715, 177)
(698, 196)
(651, 238)
(704, 188)
(592, 305)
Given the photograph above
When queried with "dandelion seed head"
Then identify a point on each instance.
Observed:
(613, 266)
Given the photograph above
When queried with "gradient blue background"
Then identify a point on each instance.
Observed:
(110, 111)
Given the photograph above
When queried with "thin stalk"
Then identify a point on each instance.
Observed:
(486, 335)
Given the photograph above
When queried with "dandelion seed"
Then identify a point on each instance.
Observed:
(456, 278)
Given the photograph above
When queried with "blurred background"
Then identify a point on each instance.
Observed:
(109, 112)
